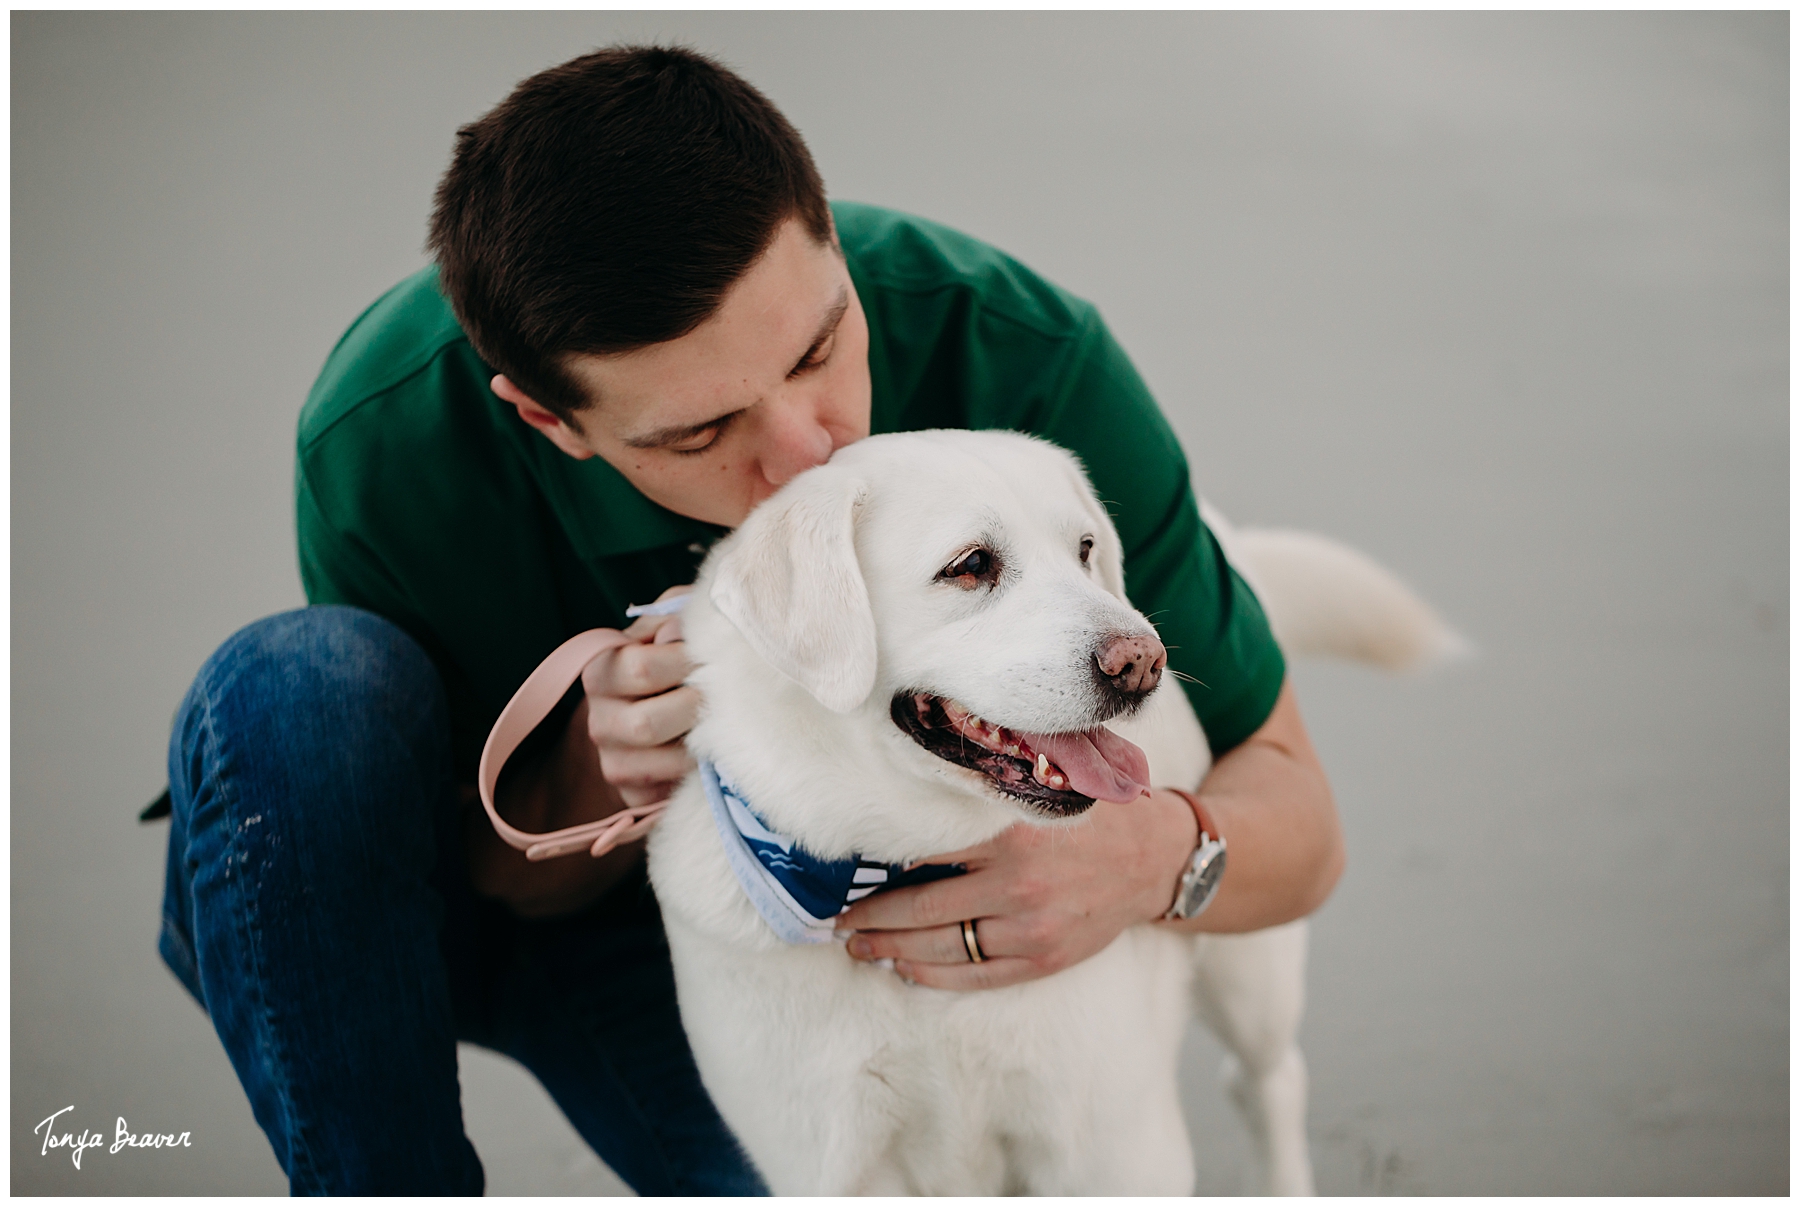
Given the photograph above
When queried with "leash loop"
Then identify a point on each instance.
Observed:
(536, 698)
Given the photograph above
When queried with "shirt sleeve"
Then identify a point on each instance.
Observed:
(390, 519)
(1175, 572)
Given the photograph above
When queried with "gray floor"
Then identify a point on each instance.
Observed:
(1499, 298)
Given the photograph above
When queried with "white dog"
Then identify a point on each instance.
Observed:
(874, 645)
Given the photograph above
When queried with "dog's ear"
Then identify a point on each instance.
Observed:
(1109, 552)
(791, 584)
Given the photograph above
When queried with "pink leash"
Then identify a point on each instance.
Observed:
(535, 699)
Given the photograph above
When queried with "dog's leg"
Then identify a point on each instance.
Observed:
(1103, 1118)
(1250, 991)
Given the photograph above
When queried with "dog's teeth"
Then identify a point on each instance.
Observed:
(1056, 781)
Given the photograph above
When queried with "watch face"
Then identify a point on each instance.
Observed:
(1208, 866)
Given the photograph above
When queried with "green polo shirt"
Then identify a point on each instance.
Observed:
(422, 497)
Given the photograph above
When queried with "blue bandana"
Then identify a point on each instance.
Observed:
(798, 894)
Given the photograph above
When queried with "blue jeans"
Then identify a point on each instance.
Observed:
(318, 906)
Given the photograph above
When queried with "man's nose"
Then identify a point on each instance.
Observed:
(794, 440)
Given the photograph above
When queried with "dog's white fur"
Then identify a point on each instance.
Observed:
(837, 1076)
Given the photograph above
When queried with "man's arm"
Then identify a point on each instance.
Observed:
(1050, 897)
(1274, 808)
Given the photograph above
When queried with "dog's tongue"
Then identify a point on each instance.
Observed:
(1099, 763)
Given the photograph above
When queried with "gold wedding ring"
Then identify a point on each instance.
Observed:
(971, 942)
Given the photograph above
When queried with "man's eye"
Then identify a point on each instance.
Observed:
(815, 359)
(699, 442)
(703, 439)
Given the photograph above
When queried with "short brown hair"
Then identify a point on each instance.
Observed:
(608, 204)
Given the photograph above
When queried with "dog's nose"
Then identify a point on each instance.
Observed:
(1133, 665)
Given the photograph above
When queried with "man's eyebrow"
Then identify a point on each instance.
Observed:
(662, 437)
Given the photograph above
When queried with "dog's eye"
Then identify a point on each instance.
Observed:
(977, 564)
(1087, 547)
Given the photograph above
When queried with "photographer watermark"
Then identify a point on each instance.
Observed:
(78, 1142)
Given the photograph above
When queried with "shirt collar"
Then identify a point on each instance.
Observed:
(603, 514)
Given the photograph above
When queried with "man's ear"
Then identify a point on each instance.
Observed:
(790, 583)
(544, 420)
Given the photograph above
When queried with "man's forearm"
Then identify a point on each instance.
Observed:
(1284, 847)
(563, 788)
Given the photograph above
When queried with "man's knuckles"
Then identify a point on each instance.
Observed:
(1036, 933)
(637, 727)
(634, 671)
(644, 670)
(617, 724)
(1027, 893)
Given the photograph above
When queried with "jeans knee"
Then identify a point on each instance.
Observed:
(330, 706)
(326, 654)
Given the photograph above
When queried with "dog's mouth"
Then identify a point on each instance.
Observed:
(1059, 774)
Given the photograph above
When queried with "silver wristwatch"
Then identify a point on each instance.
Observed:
(1201, 879)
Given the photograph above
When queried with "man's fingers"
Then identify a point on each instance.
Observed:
(652, 721)
(989, 974)
(944, 944)
(634, 767)
(937, 945)
(654, 628)
(936, 904)
(636, 670)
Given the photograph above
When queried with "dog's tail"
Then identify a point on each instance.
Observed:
(1324, 598)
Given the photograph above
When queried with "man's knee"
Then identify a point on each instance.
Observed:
(335, 658)
(322, 708)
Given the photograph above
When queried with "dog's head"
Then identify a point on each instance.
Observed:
(946, 607)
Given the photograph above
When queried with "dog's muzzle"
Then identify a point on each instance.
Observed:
(1056, 774)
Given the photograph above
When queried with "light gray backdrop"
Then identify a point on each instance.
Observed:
(1499, 298)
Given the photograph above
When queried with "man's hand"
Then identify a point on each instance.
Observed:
(1047, 897)
(623, 746)
(1044, 897)
(638, 711)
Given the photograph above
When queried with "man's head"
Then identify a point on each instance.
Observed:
(638, 243)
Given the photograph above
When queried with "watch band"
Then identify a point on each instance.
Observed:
(1200, 814)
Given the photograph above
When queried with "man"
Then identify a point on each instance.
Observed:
(642, 321)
